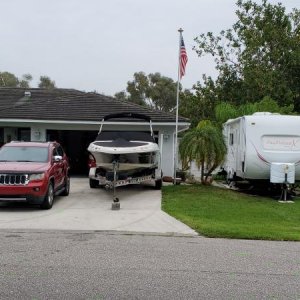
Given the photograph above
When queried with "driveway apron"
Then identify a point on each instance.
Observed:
(90, 209)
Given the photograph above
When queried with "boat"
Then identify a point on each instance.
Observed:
(131, 154)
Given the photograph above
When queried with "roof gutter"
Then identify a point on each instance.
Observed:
(186, 124)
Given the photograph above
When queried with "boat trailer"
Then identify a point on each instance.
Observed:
(115, 182)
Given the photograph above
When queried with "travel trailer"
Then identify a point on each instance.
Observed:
(263, 147)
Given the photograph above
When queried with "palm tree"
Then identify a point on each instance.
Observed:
(204, 145)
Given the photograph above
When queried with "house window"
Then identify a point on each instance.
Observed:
(24, 134)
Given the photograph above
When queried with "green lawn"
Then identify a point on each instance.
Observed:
(216, 212)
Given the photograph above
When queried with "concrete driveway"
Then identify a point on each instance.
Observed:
(90, 209)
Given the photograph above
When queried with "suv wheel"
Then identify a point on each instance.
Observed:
(48, 200)
(66, 187)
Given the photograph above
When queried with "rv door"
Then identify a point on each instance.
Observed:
(238, 149)
(240, 154)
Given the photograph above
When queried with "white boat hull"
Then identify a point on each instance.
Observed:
(128, 158)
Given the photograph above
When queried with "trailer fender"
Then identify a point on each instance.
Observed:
(92, 172)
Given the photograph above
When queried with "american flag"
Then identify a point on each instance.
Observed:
(182, 58)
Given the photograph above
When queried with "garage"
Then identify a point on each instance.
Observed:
(75, 144)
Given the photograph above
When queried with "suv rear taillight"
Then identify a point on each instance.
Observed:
(92, 161)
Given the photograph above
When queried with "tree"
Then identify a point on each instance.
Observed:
(225, 110)
(152, 90)
(46, 83)
(200, 103)
(204, 145)
(121, 96)
(258, 57)
(26, 78)
(161, 92)
(10, 80)
(137, 89)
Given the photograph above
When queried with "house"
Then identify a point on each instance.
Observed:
(73, 117)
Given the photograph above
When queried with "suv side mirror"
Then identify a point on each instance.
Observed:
(57, 158)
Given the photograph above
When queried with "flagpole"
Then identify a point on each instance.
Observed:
(180, 30)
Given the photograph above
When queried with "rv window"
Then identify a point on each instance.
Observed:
(231, 139)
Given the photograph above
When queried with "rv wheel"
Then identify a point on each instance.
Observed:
(229, 177)
(228, 180)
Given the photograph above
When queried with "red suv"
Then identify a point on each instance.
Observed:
(33, 172)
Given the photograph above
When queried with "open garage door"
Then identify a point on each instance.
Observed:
(75, 144)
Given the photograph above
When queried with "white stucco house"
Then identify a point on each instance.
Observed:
(73, 117)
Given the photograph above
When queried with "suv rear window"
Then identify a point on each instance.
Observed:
(21, 153)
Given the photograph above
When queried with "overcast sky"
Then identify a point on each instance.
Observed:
(99, 44)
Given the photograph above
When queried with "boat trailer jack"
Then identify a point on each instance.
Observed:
(113, 184)
(116, 203)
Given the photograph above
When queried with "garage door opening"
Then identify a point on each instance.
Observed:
(75, 144)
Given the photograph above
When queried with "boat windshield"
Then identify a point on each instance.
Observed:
(125, 135)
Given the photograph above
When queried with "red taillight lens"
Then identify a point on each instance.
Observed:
(92, 161)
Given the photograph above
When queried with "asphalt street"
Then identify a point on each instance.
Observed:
(114, 265)
(81, 249)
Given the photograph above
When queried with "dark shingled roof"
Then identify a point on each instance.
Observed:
(69, 105)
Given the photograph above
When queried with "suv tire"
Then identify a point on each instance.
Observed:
(66, 190)
(49, 197)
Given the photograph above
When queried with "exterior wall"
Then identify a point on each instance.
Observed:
(167, 151)
(38, 134)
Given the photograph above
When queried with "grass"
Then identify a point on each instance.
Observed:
(216, 212)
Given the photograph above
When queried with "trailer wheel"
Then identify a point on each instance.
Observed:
(158, 184)
(93, 183)
(229, 177)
